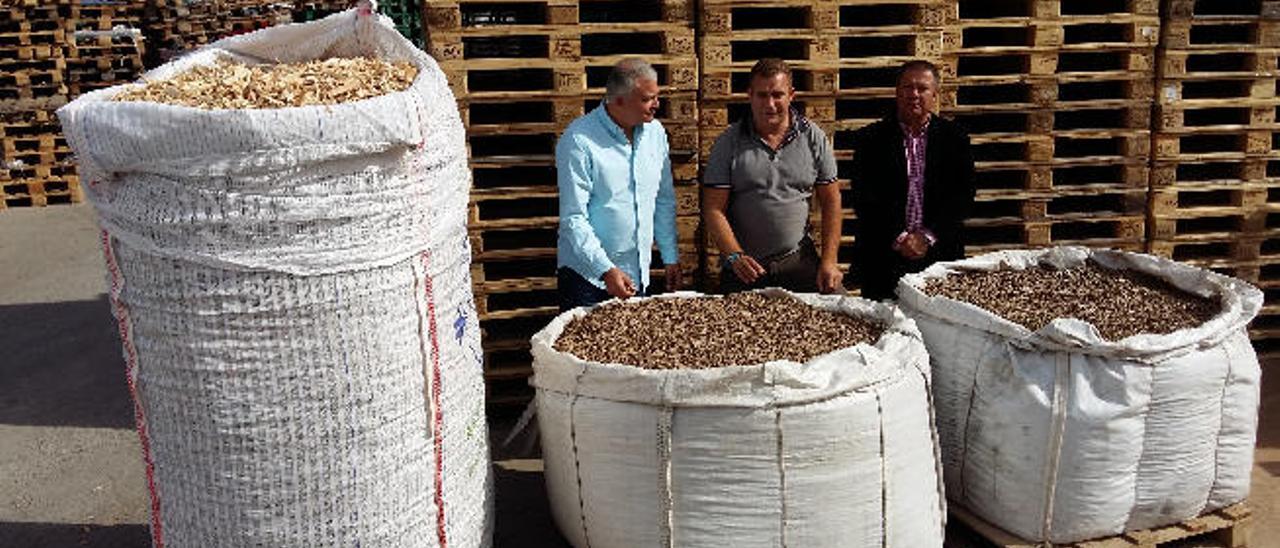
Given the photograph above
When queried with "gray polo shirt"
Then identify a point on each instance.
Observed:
(770, 190)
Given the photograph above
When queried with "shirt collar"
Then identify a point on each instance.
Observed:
(924, 130)
(612, 127)
(798, 123)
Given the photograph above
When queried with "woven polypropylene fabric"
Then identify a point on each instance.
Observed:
(294, 292)
(838, 451)
(1058, 435)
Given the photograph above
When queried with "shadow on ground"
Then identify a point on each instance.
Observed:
(62, 366)
(54, 535)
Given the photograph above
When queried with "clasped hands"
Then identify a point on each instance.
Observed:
(912, 245)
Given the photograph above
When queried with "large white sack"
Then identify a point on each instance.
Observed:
(292, 288)
(838, 451)
(1059, 435)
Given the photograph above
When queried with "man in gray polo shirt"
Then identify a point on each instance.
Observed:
(756, 189)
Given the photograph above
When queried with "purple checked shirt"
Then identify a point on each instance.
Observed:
(915, 146)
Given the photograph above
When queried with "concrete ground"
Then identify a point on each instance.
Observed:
(70, 466)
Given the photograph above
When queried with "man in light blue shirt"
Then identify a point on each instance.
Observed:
(616, 194)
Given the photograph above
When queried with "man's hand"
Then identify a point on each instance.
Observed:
(618, 284)
(747, 269)
(830, 279)
(674, 276)
(914, 246)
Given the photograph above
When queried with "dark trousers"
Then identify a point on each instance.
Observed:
(795, 271)
(879, 276)
(576, 291)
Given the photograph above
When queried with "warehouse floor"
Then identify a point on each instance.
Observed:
(70, 472)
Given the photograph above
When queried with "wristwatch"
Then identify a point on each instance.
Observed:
(733, 258)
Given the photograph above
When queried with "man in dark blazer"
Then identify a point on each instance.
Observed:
(913, 187)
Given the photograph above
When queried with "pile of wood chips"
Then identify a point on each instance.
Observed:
(228, 85)
(695, 333)
(1119, 303)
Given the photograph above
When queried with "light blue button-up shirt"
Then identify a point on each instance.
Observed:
(615, 198)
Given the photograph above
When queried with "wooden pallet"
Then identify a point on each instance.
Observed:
(783, 17)
(1228, 63)
(40, 192)
(32, 144)
(102, 58)
(1074, 35)
(1213, 208)
(34, 12)
(1085, 230)
(51, 91)
(1204, 92)
(450, 16)
(32, 78)
(47, 38)
(16, 171)
(1205, 142)
(104, 16)
(1216, 250)
(1013, 93)
(502, 72)
(1102, 64)
(1213, 33)
(1051, 9)
(1064, 180)
(1208, 169)
(27, 122)
(1229, 526)
(1221, 115)
(1187, 9)
(27, 26)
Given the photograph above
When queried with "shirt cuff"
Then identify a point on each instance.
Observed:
(821, 182)
(599, 268)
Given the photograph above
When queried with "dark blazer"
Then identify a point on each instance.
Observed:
(880, 200)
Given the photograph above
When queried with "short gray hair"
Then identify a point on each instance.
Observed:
(625, 75)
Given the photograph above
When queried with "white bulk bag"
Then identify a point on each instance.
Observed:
(838, 451)
(293, 292)
(1058, 435)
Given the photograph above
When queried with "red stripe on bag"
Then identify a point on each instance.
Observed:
(131, 362)
(437, 417)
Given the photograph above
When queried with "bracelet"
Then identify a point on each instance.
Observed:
(733, 257)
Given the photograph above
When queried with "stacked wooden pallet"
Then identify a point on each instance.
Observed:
(175, 26)
(1214, 186)
(1056, 95)
(522, 71)
(843, 55)
(106, 47)
(35, 163)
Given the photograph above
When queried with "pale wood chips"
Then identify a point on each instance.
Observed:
(228, 85)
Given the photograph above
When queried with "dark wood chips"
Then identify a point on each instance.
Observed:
(703, 332)
(1118, 303)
